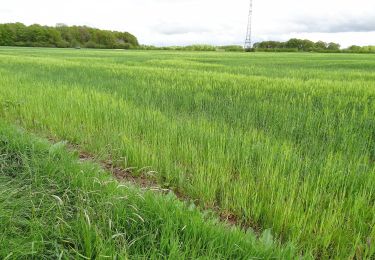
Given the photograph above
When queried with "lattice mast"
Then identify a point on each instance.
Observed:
(248, 41)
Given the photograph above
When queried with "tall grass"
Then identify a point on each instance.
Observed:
(284, 141)
(53, 207)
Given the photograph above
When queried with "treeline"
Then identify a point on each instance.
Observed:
(62, 36)
(293, 45)
(298, 45)
(360, 49)
(195, 47)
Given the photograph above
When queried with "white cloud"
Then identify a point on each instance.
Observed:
(179, 22)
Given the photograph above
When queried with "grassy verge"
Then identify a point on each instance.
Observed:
(53, 206)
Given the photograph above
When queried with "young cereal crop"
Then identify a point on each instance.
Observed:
(283, 141)
(54, 207)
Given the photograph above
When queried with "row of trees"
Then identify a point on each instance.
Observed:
(359, 49)
(293, 45)
(62, 36)
(195, 47)
(297, 45)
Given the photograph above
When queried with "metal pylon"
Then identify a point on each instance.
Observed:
(248, 41)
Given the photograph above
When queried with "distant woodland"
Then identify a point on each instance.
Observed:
(62, 36)
(298, 45)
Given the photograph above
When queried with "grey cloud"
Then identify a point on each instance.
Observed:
(181, 30)
(333, 25)
(177, 29)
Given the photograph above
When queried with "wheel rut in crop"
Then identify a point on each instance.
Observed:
(147, 183)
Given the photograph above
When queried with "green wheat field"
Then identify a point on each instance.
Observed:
(282, 143)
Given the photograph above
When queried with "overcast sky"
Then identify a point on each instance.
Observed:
(219, 22)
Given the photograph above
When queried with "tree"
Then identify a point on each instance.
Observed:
(333, 46)
(7, 35)
(294, 43)
(355, 48)
(320, 45)
(302, 45)
(307, 45)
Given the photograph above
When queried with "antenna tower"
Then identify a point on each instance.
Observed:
(248, 41)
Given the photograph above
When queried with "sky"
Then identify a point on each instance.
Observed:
(217, 22)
